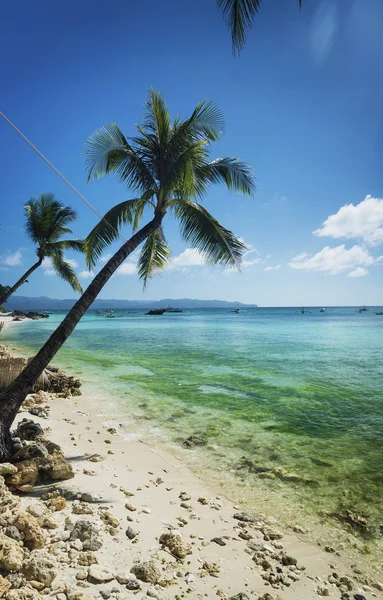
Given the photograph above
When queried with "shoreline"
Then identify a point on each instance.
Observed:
(80, 430)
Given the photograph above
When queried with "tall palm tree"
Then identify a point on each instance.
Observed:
(46, 221)
(167, 165)
(239, 16)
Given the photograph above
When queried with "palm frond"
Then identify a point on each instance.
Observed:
(108, 151)
(236, 175)
(206, 121)
(239, 16)
(47, 219)
(154, 256)
(76, 245)
(107, 230)
(157, 118)
(64, 269)
(203, 231)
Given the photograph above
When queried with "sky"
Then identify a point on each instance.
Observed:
(302, 106)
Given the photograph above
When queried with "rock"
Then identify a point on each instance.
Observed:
(61, 597)
(24, 593)
(99, 574)
(131, 533)
(244, 517)
(4, 586)
(40, 566)
(105, 594)
(27, 472)
(212, 568)
(61, 469)
(87, 558)
(109, 519)
(219, 541)
(175, 544)
(82, 574)
(195, 440)
(123, 577)
(269, 533)
(81, 508)
(11, 554)
(130, 507)
(95, 458)
(359, 597)
(87, 533)
(153, 593)
(148, 571)
(133, 585)
(288, 560)
(323, 591)
(39, 411)
(7, 469)
(57, 503)
(28, 430)
(34, 536)
(240, 596)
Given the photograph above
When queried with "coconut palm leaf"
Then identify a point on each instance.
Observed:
(108, 151)
(107, 230)
(203, 231)
(237, 176)
(239, 16)
(64, 269)
(154, 256)
(76, 245)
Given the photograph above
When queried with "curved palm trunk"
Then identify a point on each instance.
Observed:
(20, 282)
(12, 398)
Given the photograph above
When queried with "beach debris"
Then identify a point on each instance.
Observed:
(107, 518)
(130, 507)
(148, 571)
(240, 596)
(95, 458)
(323, 591)
(175, 545)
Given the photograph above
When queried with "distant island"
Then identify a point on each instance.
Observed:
(46, 303)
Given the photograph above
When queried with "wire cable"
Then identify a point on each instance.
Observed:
(65, 180)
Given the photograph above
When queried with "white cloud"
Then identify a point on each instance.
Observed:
(86, 274)
(270, 268)
(47, 267)
(249, 263)
(363, 221)
(191, 257)
(359, 272)
(4, 269)
(127, 268)
(105, 258)
(73, 263)
(12, 260)
(333, 260)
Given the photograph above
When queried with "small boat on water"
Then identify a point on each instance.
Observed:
(363, 309)
(303, 310)
(322, 310)
(156, 311)
(173, 310)
(236, 310)
(379, 313)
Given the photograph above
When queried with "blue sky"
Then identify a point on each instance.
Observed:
(302, 105)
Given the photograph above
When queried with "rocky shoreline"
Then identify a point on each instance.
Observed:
(95, 515)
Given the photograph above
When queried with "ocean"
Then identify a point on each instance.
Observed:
(285, 409)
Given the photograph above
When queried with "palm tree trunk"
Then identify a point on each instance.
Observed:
(13, 397)
(18, 283)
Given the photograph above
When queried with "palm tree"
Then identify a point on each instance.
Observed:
(168, 166)
(46, 222)
(239, 16)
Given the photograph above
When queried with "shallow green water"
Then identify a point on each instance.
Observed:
(291, 405)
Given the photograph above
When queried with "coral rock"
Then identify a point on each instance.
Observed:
(148, 571)
(175, 544)
(41, 567)
(11, 554)
(34, 536)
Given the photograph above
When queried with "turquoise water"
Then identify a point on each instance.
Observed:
(290, 405)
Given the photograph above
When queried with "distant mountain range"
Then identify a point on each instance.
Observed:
(45, 303)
